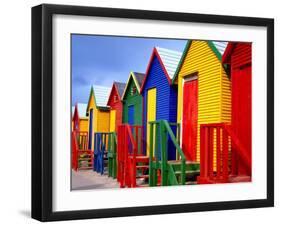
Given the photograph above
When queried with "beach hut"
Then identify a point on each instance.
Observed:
(159, 94)
(115, 104)
(79, 120)
(98, 112)
(132, 100)
(204, 93)
(239, 57)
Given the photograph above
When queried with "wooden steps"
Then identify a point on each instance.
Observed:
(142, 176)
(189, 172)
(236, 179)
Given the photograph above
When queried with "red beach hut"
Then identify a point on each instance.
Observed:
(239, 57)
(115, 104)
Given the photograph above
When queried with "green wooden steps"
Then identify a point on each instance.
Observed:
(161, 170)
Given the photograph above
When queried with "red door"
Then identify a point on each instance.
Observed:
(189, 119)
(242, 111)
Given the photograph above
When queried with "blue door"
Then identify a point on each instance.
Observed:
(91, 129)
(131, 115)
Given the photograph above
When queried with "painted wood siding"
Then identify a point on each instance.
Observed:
(225, 97)
(84, 124)
(241, 76)
(92, 107)
(100, 119)
(242, 54)
(166, 98)
(213, 86)
(151, 115)
(116, 104)
(112, 124)
(135, 100)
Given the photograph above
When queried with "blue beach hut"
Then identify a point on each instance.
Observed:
(159, 94)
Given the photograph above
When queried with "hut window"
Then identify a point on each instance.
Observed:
(115, 98)
(134, 90)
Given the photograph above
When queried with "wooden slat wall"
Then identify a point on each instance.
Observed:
(214, 98)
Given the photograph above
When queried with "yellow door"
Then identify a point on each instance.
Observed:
(151, 113)
(112, 120)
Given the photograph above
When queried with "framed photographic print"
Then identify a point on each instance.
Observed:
(146, 112)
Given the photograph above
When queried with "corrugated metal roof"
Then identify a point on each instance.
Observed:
(82, 108)
(139, 77)
(120, 87)
(170, 59)
(221, 46)
(101, 94)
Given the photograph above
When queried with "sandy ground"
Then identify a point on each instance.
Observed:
(88, 179)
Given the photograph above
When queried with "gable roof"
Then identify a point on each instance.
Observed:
(138, 80)
(81, 109)
(168, 59)
(119, 89)
(217, 47)
(228, 51)
(100, 94)
(221, 46)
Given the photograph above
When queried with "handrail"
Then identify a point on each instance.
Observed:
(79, 147)
(178, 148)
(172, 136)
(131, 138)
(128, 143)
(165, 127)
(74, 151)
(240, 149)
(222, 132)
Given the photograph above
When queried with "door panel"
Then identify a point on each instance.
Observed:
(151, 113)
(242, 109)
(190, 119)
(112, 120)
(131, 115)
(91, 129)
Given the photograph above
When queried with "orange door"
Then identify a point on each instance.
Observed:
(189, 119)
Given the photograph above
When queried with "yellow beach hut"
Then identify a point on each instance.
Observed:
(98, 112)
(204, 93)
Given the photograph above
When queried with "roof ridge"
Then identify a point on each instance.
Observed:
(168, 50)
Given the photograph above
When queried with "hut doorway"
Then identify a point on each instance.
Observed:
(242, 109)
(190, 117)
(112, 120)
(91, 129)
(131, 115)
(151, 113)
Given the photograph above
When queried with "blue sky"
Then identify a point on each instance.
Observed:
(100, 60)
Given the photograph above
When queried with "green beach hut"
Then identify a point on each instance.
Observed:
(132, 100)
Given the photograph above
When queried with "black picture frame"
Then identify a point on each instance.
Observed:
(42, 111)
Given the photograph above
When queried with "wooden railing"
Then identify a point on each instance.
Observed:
(219, 138)
(160, 131)
(80, 151)
(112, 162)
(129, 147)
(105, 149)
